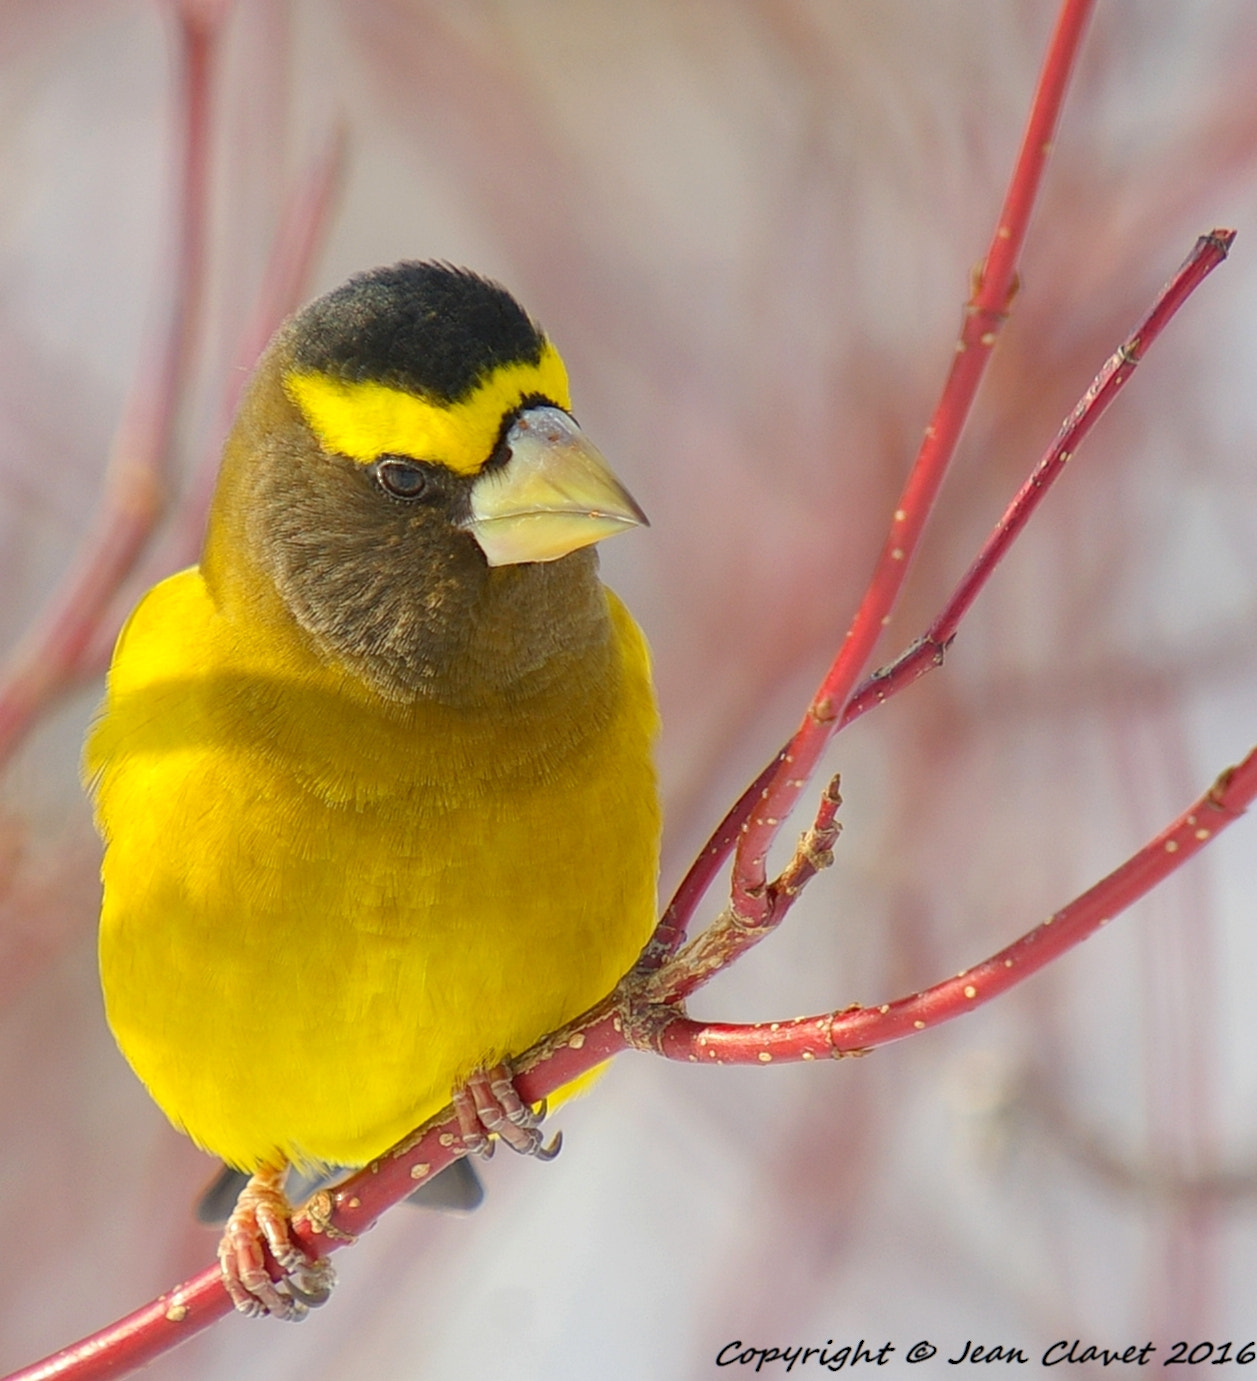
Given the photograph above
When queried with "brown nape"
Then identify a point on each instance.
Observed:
(395, 591)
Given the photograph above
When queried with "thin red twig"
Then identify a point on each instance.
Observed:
(857, 1029)
(927, 652)
(670, 932)
(984, 318)
(43, 663)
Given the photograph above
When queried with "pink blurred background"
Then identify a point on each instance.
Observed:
(749, 226)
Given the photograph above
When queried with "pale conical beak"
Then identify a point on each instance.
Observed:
(554, 495)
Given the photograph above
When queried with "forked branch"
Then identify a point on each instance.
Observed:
(994, 288)
(687, 971)
(855, 1030)
(751, 826)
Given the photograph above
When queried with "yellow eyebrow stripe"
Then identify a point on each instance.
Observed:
(367, 420)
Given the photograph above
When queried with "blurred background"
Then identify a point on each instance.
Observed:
(749, 225)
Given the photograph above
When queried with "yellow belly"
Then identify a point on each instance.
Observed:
(312, 931)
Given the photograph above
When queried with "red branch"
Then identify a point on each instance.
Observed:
(928, 651)
(855, 1030)
(44, 662)
(984, 317)
(338, 1217)
(776, 787)
(733, 933)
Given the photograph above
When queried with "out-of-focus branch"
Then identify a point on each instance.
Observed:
(303, 226)
(299, 239)
(44, 662)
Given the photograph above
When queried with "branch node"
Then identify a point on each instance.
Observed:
(977, 281)
(858, 1053)
(1220, 790)
(644, 1022)
(318, 1210)
(822, 710)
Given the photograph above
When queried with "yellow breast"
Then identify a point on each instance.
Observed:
(322, 911)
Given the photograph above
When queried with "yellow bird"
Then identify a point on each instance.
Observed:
(374, 779)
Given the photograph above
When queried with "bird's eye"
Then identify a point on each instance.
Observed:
(401, 478)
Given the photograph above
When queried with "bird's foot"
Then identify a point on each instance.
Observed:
(488, 1106)
(261, 1223)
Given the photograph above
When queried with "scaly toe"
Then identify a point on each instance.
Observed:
(261, 1223)
(489, 1107)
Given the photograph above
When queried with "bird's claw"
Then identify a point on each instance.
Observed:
(488, 1106)
(261, 1223)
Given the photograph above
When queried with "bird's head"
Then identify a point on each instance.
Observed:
(405, 472)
